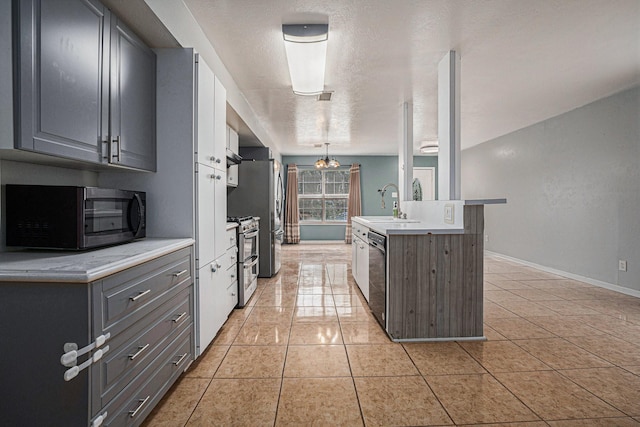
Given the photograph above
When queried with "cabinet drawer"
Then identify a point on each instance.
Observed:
(231, 238)
(229, 258)
(231, 275)
(231, 296)
(131, 351)
(137, 400)
(138, 290)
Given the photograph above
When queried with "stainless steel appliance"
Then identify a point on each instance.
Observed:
(248, 256)
(260, 192)
(378, 277)
(66, 217)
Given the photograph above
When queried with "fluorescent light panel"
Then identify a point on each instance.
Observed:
(306, 48)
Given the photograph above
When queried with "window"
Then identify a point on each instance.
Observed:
(323, 195)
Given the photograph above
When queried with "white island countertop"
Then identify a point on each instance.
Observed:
(388, 225)
(83, 266)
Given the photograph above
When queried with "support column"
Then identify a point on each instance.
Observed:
(405, 154)
(449, 127)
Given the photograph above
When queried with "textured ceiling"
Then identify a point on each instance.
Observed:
(521, 62)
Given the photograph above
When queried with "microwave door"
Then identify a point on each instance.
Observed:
(136, 216)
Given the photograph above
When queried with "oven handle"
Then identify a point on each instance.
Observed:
(251, 235)
(254, 261)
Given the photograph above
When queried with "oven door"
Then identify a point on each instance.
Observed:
(248, 245)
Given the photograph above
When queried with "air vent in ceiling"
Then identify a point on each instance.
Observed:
(325, 96)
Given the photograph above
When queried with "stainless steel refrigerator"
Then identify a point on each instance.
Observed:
(260, 192)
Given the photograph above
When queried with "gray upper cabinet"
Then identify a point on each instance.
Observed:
(85, 85)
(133, 100)
(63, 78)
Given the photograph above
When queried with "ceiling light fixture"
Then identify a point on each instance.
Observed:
(326, 163)
(306, 48)
(429, 147)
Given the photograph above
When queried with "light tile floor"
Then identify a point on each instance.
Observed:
(306, 351)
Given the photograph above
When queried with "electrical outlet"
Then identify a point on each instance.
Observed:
(622, 265)
(448, 213)
(486, 238)
(394, 195)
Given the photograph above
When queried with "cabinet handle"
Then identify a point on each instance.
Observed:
(118, 151)
(212, 159)
(140, 295)
(218, 177)
(217, 160)
(233, 294)
(215, 266)
(233, 276)
(139, 352)
(179, 318)
(142, 402)
(177, 362)
(179, 273)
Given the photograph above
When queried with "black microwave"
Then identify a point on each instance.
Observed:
(66, 217)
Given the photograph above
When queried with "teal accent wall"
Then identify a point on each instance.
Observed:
(375, 172)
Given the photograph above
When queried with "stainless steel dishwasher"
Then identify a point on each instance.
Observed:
(378, 277)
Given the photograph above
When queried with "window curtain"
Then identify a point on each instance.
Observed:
(354, 206)
(291, 215)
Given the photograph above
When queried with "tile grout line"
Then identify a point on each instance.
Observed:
(503, 385)
(427, 384)
(344, 344)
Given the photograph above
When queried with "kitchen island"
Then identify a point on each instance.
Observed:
(434, 274)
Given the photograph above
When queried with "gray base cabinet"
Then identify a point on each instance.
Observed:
(84, 84)
(145, 314)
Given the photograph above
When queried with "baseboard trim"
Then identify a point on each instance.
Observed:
(594, 282)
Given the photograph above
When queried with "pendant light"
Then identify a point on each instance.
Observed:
(326, 163)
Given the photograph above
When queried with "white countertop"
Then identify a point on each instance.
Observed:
(387, 225)
(231, 225)
(85, 266)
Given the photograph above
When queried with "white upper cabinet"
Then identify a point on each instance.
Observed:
(205, 142)
(232, 140)
(211, 147)
(220, 127)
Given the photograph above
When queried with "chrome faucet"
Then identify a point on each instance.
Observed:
(384, 189)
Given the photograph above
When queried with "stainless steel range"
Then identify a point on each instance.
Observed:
(248, 256)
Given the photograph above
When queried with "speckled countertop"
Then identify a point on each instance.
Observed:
(85, 266)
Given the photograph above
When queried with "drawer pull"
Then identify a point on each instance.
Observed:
(140, 295)
(139, 352)
(179, 318)
(142, 402)
(177, 362)
(179, 273)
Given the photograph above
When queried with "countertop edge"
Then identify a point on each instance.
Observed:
(97, 273)
(486, 201)
(379, 228)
